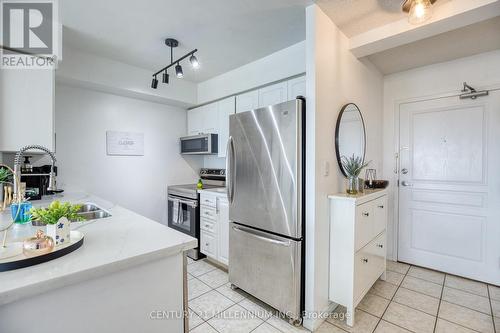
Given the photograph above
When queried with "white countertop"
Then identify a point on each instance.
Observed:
(217, 191)
(111, 244)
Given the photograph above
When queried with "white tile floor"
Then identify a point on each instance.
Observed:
(412, 299)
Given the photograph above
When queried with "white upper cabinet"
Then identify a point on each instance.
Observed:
(247, 101)
(203, 119)
(273, 94)
(296, 87)
(26, 109)
(225, 109)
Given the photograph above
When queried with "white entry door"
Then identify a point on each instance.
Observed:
(449, 186)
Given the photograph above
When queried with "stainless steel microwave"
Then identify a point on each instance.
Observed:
(202, 144)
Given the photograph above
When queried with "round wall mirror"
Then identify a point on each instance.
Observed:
(350, 135)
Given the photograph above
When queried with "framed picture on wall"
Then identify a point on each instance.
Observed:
(124, 143)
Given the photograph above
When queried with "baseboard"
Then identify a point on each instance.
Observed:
(312, 323)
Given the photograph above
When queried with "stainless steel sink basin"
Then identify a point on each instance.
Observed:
(88, 208)
(92, 212)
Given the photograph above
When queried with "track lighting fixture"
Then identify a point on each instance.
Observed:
(418, 11)
(179, 73)
(154, 83)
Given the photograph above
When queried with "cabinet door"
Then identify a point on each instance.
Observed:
(195, 121)
(26, 108)
(208, 244)
(247, 101)
(210, 118)
(273, 94)
(223, 223)
(226, 108)
(296, 87)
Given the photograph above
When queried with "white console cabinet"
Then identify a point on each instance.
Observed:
(357, 246)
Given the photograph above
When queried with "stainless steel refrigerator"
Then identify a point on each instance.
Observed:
(265, 185)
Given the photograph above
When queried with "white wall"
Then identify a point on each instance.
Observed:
(334, 77)
(274, 67)
(446, 78)
(91, 71)
(138, 183)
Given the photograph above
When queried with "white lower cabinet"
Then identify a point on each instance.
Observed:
(214, 227)
(223, 221)
(357, 246)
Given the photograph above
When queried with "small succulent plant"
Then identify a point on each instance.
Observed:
(5, 175)
(353, 165)
(55, 211)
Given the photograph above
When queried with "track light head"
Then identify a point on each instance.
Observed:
(154, 83)
(194, 61)
(165, 77)
(178, 71)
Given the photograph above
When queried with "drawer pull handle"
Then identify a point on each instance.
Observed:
(364, 260)
(366, 214)
(206, 225)
(381, 206)
(380, 245)
(206, 244)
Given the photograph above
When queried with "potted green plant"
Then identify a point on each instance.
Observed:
(352, 167)
(57, 217)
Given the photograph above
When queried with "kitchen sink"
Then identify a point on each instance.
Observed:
(92, 212)
(88, 208)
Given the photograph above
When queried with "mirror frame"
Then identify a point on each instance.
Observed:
(337, 127)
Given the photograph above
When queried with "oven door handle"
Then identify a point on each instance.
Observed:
(190, 203)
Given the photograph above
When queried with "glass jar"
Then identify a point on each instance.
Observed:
(352, 185)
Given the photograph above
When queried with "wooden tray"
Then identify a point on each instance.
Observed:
(21, 261)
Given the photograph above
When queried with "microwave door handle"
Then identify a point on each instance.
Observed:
(230, 169)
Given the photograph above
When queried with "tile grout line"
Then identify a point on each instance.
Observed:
(439, 305)
(491, 308)
(385, 310)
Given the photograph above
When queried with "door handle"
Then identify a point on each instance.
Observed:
(255, 234)
(229, 170)
(405, 183)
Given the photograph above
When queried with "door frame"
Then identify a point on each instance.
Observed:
(396, 160)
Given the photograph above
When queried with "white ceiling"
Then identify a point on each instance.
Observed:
(473, 39)
(354, 17)
(227, 33)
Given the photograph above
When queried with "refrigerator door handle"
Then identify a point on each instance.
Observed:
(260, 236)
(229, 169)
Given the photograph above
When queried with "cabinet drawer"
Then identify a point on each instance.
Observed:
(379, 215)
(363, 225)
(208, 225)
(208, 200)
(208, 212)
(368, 265)
(208, 244)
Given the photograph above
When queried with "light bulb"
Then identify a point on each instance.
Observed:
(194, 62)
(420, 11)
(178, 71)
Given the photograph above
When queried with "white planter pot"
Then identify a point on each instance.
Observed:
(60, 232)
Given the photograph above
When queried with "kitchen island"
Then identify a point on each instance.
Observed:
(128, 276)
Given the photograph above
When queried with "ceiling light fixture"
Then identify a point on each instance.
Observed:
(418, 11)
(154, 82)
(172, 43)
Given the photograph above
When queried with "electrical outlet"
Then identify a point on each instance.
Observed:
(326, 169)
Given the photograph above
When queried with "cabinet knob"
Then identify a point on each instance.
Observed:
(380, 245)
(381, 206)
(365, 260)
(206, 244)
(366, 214)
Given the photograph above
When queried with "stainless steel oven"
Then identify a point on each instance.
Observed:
(183, 214)
(203, 144)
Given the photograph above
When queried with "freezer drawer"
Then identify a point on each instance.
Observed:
(267, 267)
